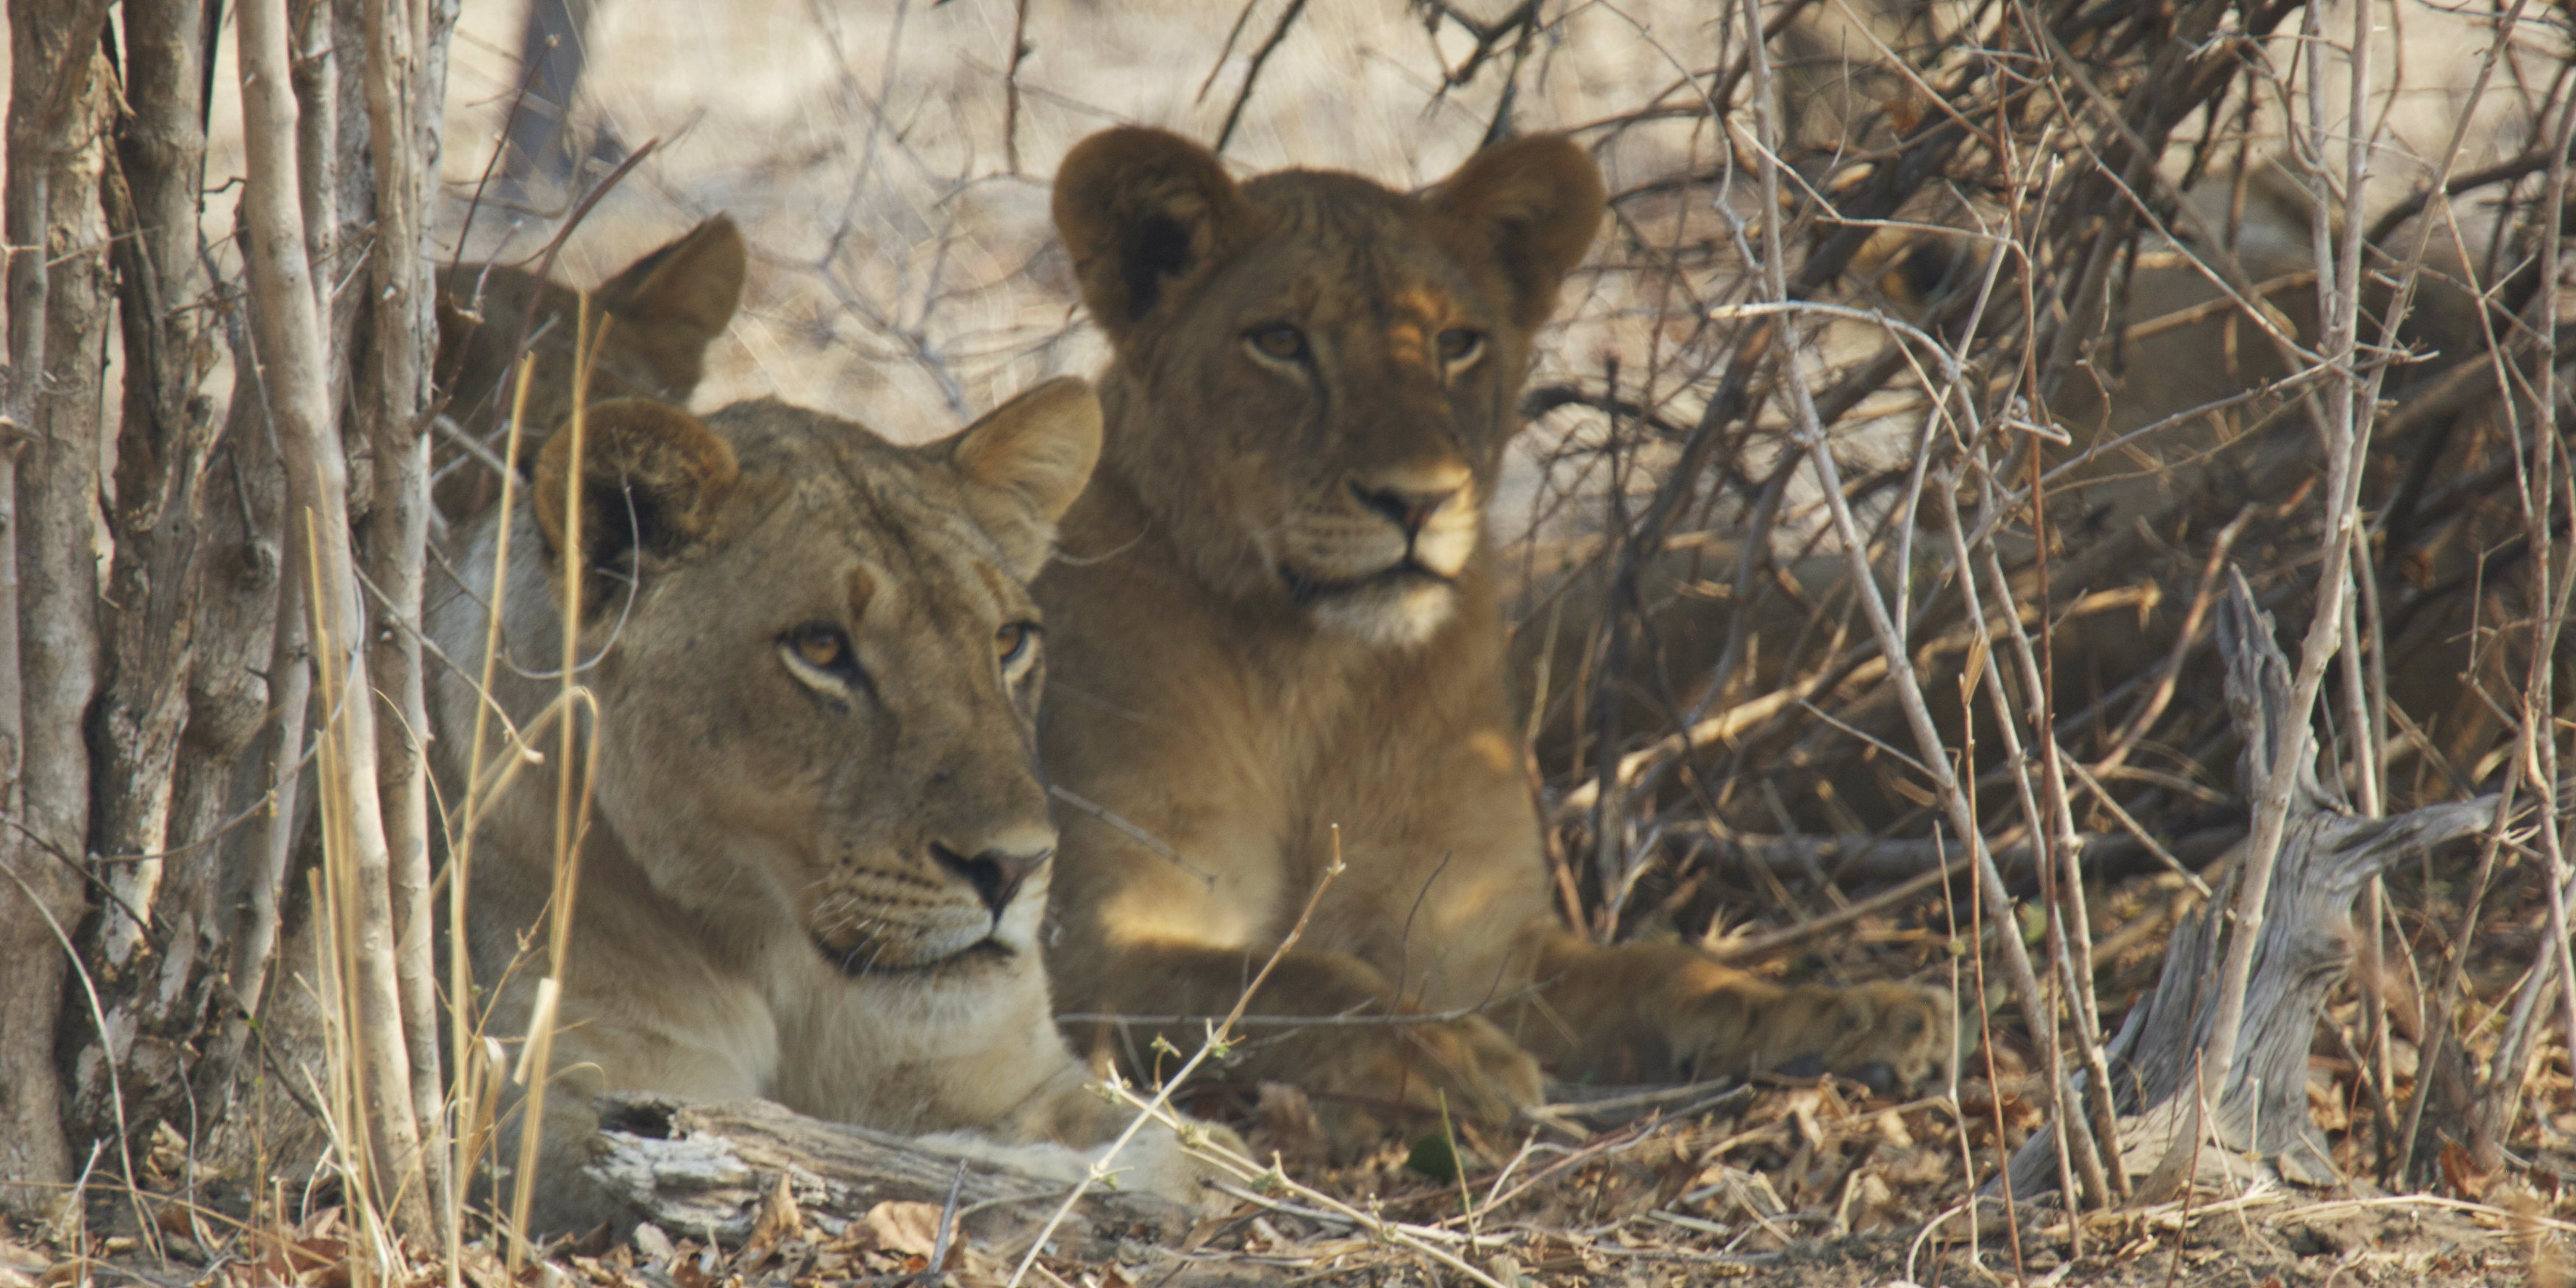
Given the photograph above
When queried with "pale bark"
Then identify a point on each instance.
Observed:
(289, 328)
(403, 119)
(698, 1167)
(57, 313)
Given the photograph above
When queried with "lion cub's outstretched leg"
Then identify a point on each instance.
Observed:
(1642, 1012)
(1324, 1021)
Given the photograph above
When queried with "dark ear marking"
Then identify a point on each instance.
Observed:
(1143, 212)
(652, 478)
(1157, 247)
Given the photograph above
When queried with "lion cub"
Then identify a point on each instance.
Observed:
(818, 854)
(1276, 614)
(653, 322)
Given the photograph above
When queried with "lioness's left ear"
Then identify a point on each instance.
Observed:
(1028, 459)
(1536, 203)
(652, 477)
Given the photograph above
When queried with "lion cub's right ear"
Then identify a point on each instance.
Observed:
(1144, 212)
(652, 478)
(1028, 459)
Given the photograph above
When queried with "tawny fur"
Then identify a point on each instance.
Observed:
(1244, 657)
(762, 910)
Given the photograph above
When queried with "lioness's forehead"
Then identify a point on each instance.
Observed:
(834, 484)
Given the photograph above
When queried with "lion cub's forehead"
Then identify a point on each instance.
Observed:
(1342, 249)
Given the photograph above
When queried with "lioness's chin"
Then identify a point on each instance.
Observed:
(1388, 614)
(876, 961)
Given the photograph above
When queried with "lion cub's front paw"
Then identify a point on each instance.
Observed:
(1369, 1082)
(1891, 1036)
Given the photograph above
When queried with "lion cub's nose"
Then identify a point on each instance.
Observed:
(995, 874)
(1407, 508)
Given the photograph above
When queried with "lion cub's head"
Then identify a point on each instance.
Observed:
(1316, 375)
(659, 314)
(816, 663)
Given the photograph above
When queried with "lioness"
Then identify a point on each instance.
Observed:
(1275, 612)
(819, 852)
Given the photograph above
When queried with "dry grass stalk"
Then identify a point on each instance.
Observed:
(572, 799)
(470, 1100)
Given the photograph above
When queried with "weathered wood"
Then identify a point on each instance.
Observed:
(58, 107)
(2259, 1104)
(704, 1169)
(154, 974)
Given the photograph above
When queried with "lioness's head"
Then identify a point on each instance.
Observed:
(1326, 369)
(817, 665)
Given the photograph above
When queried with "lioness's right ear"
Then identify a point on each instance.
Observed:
(652, 477)
(675, 301)
(1143, 211)
(1029, 458)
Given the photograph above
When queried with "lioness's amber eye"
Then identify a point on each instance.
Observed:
(1013, 641)
(824, 648)
(1280, 341)
(1458, 344)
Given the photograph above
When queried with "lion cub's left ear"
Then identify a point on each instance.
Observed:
(1028, 459)
(1535, 203)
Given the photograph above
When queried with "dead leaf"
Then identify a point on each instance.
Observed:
(911, 1229)
(780, 1218)
(2461, 1172)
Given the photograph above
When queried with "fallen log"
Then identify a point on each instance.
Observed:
(2259, 1104)
(705, 1170)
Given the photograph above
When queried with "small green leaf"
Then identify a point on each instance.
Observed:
(1435, 1157)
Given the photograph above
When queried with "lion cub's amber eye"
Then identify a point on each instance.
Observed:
(1459, 345)
(1281, 341)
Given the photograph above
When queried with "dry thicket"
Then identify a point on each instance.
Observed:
(1961, 394)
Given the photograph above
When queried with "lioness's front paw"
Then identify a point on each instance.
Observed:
(1371, 1081)
(1889, 1035)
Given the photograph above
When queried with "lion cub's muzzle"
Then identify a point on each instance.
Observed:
(1382, 562)
(1384, 530)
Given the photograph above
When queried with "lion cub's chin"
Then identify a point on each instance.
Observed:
(1391, 614)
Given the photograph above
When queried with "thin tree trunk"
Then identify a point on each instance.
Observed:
(154, 973)
(48, 584)
(403, 138)
(251, 679)
(288, 325)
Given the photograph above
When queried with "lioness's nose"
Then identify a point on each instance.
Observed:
(1407, 508)
(996, 875)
